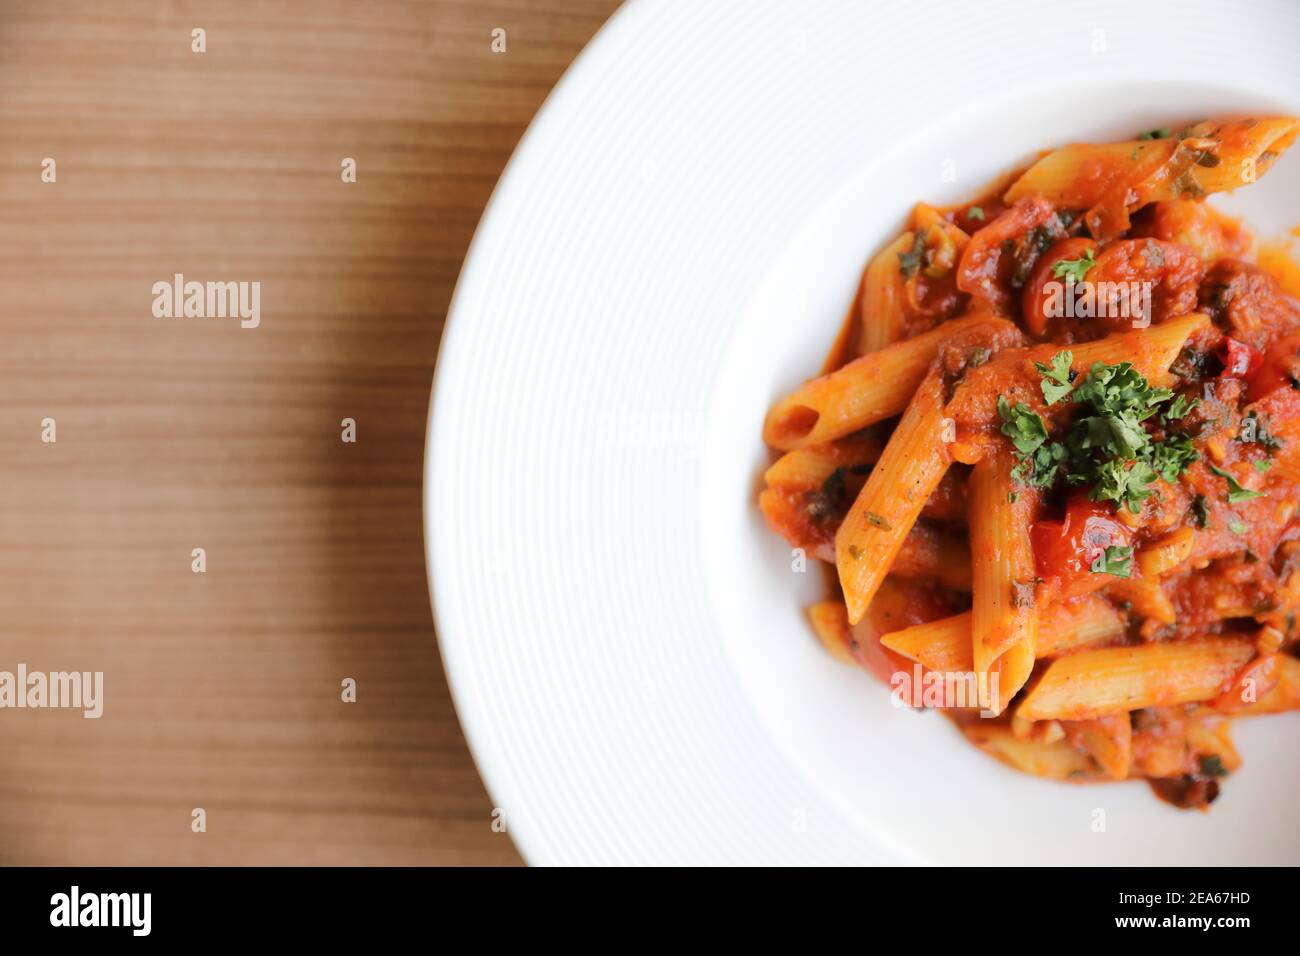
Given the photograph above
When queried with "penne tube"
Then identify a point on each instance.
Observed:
(1151, 350)
(1003, 616)
(1112, 680)
(945, 644)
(810, 467)
(1214, 159)
(867, 390)
(885, 510)
(881, 302)
(942, 645)
(1078, 176)
(1064, 626)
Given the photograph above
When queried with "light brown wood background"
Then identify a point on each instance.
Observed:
(222, 689)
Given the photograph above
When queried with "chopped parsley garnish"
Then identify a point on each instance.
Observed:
(1128, 486)
(1116, 560)
(1074, 269)
(1237, 527)
(1022, 425)
(910, 261)
(1171, 457)
(1108, 447)
(1162, 133)
(976, 213)
(1263, 465)
(1179, 407)
(1056, 382)
(1236, 492)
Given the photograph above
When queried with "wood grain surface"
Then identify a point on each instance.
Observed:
(222, 689)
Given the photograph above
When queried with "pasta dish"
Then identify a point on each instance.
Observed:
(1053, 459)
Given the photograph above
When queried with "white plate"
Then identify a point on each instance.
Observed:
(672, 248)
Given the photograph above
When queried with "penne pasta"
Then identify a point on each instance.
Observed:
(1136, 172)
(1003, 615)
(946, 645)
(942, 645)
(881, 302)
(1064, 626)
(867, 390)
(1151, 350)
(1116, 679)
(884, 512)
(1098, 454)
(810, 467)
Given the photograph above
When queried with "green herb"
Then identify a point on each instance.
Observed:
(976, 213)
(1120, 389)
(1116, 560)
(1236, 492)
(1171, 457)
(1074, 269)
(1012, 497)
(1108, 447)
(1212, 766)
(1126, 486)
(1179, 407)
(1039, 470)
(1201, 511)
(979, 357)
(1056, 383)
(1263, 465)
(1161, 133)
(910, 261)
(1237, 527)
(1022, 425)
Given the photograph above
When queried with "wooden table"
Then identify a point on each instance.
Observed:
(222, 689)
